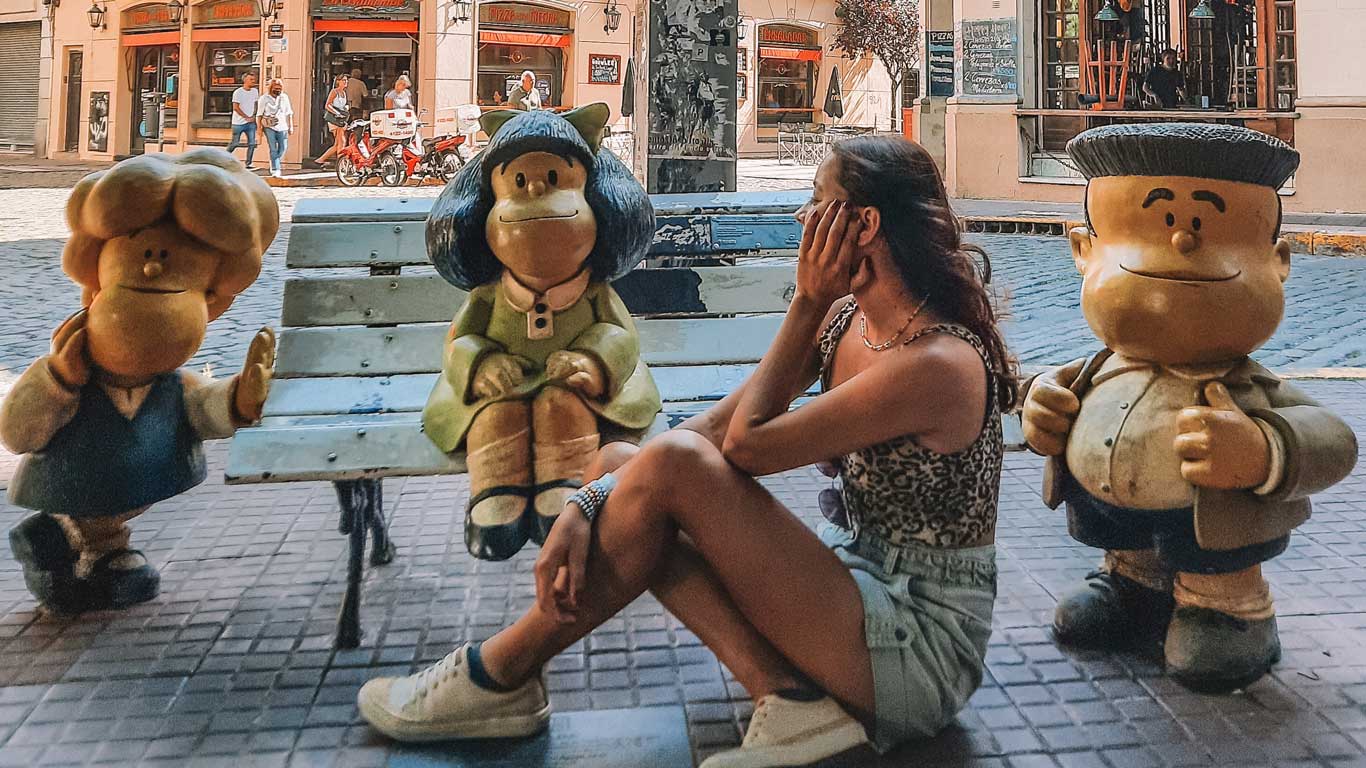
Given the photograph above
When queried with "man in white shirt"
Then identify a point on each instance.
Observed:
(244, 115)
(276, 116)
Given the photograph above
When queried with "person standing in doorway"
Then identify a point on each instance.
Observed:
(275, 115)
(525, 95)
(356, 91)
(335, 111)
(401, 95)
(244, 116)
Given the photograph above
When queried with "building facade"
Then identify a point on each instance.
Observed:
(1013, 82)
(116, 60)
(25, 72)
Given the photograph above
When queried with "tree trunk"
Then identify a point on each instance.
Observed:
(896, 100)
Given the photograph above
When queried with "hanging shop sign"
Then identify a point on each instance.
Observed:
(523, 15)
(226, 13)
(366, 9)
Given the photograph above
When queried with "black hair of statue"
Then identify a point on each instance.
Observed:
(456, 241)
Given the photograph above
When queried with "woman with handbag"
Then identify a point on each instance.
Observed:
(334, 112)
(874, 629)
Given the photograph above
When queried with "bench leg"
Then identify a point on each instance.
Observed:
(382, 549)
(359, 500)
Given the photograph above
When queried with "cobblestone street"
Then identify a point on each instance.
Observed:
(233, 665)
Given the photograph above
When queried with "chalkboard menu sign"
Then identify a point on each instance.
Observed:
(989, 47)
(604, 69)
(940, 47)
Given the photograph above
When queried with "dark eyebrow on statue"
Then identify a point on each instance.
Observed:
(1161, 193)
(1209, 197)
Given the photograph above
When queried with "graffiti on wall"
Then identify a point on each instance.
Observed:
(692, 133)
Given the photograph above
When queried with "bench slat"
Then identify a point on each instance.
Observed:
(428, 298)
(403, 243)
(379, 394)
(346, 451)
(361, 351)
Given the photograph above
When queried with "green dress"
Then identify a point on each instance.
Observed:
(598, 324)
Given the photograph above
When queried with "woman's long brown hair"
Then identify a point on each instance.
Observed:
(901, 180)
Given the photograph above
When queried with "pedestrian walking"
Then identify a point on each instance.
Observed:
(275, 115)
(335, 111)
(244, 116)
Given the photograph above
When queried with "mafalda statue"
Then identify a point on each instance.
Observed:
(108, 422)
(1187, 462)
(543, 351)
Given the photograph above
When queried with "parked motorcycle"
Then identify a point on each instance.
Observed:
(364, 157)
(421, 159)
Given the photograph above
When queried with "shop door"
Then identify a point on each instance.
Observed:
(157, 72)
(18, 85)
(378, 70)
(72, 139)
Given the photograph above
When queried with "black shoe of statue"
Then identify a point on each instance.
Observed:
(41, 547)
(122, 578)
(1113, 613)
(1212, 652)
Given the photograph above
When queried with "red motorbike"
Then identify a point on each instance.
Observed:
(364, 157)
(421, 159)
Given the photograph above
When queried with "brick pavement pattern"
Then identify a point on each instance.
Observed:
(233, 664)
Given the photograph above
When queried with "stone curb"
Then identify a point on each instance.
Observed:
(1305, 240)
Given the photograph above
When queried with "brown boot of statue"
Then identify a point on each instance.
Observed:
(1223, 634)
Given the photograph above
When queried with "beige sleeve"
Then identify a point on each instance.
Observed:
(35, 408)
(208, 403)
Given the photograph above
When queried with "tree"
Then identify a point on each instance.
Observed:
(887, 29)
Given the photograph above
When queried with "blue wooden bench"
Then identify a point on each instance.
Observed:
(365, 317)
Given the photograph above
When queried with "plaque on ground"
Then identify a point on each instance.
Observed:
(608, 738)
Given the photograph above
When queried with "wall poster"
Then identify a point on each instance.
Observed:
(604, 69)
(97, 139)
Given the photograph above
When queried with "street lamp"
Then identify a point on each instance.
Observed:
(613, 16)
(177, 11)
(1108, 12)
(460, 11)
(269, 8)
(740, 24)
(1202, 10)
(96, 15)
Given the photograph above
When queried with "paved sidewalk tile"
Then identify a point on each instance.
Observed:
(233, 664)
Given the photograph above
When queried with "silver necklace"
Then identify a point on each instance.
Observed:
(889, 343)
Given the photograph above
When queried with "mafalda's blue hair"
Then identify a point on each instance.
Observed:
(456, 243)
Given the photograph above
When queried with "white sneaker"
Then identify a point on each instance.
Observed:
(784, 732)
(441, 702)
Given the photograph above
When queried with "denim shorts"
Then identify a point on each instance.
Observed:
(927, 619)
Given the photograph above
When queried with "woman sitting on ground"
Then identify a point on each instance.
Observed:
(883, 626)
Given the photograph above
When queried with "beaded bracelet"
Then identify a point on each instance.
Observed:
(592, 496)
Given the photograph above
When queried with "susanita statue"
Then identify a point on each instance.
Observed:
(1187, 462)
(108, 423)
(543, 356)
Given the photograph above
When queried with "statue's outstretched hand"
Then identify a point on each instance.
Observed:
(578, 370)
(70, 362)
(1050, 408)
(1220, 446)
(497, 374)
(253, 383)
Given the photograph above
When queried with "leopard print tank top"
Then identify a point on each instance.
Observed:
(903, 492)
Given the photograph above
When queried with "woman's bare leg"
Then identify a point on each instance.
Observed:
(790, 587)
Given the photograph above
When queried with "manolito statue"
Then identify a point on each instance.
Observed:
(543, 355)
(108, 423)
(1181, 457)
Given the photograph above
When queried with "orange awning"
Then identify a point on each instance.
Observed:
(227, 35)
(791, 54)
(364, 25)
(538, 39)
(151, 38)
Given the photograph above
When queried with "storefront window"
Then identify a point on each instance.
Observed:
(501, 68)
(226, 64)
(789, 61)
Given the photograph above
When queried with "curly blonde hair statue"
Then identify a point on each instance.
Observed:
(208, 195)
